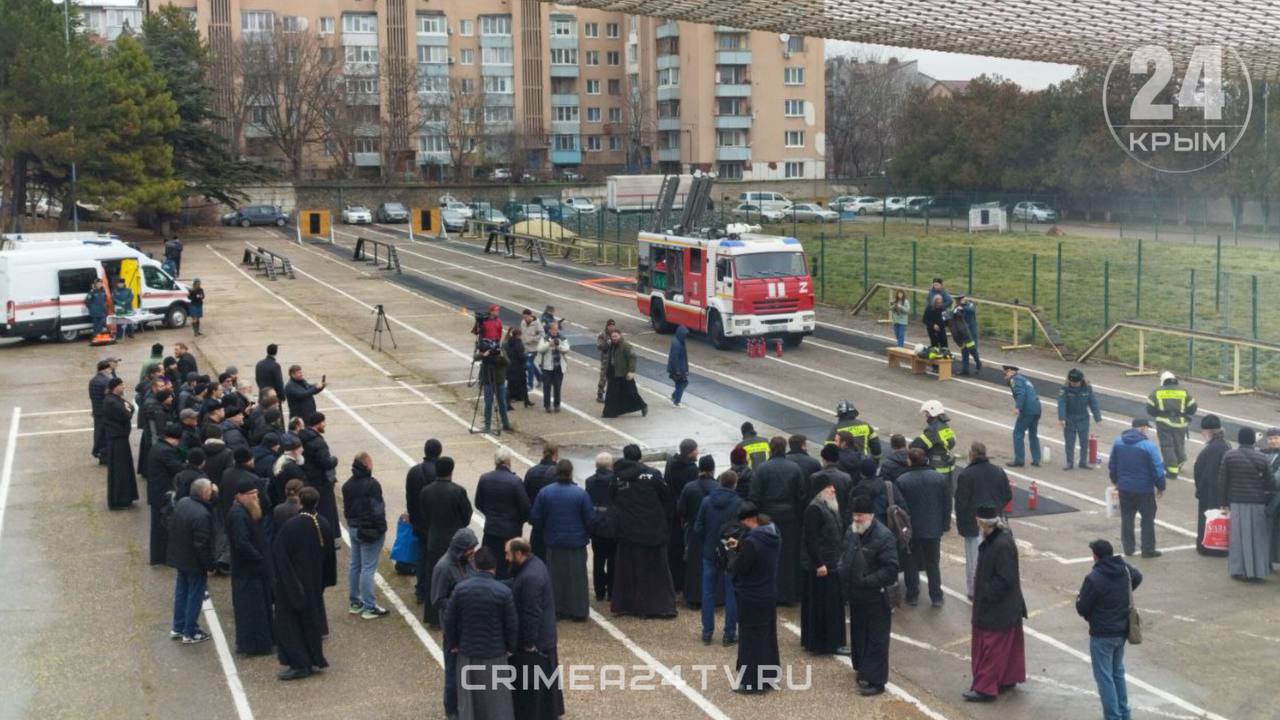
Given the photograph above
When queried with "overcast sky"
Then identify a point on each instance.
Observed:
(954, 66)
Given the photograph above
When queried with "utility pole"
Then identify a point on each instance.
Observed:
(66, 32)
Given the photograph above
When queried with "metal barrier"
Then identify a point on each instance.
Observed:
(388, 250)
(1037, 318)
(266, 261)
(1143, 329)
(586, 250)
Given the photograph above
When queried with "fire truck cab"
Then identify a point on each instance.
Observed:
(740, 285)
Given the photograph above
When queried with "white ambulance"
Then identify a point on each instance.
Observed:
(43, 284)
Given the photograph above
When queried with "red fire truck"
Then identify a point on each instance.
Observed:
(740, 285)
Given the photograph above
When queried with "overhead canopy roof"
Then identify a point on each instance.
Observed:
(1075, 32)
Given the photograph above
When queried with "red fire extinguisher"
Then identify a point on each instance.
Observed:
(1093, 449)
(1033, 500)
(1008, 507)
(778, 349)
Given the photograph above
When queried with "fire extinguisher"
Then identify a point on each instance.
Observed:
(1093, 449)
(1033, 500)
(778, 349)
(1008, 507)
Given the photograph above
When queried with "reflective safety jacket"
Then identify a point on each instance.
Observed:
(756, 448)
(937, 441)
(865, 440)
(1171, 406)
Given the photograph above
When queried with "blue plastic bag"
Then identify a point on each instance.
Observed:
(405, 548)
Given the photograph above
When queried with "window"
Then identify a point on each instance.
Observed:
(794, 138)
(731, 138)
(615, 115)
(565, 142)
(793, 76)
(499, 114)
(565, 113)
(593, 114)
(730, 170)
(467, 115)
(731, 106)
(76, 282)
(612, 57)
(795, 44)
(467, 86)
(611, 30)
(593, 57)
(563, 27)
(433, 114)
(669, 46)
(793, 108)
(669, 108)
(362, 23)
(360, 54)
(591, 30)
(615, 142)
(495, 25)
(466, 28)
(731, 75)
(433, 83)
(793, 170)
(433, 144)
(156, 279)
(257, 115)
(669, 77)
(291, 23)
(366, 145)
(593, 87)
(362, 86)
(728, 41)
(495, 56)
(433, 54)
(615, 87)
(593, 143)
(431, 25)
(256, 21)
(467, 56)
(500, 84)
(291, 55)
(564, 56)
(326, 26)
(327, 54)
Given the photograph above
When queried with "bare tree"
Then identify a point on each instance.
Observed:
(865, 101)
(297, 75)
(454, 110)
(399, 80)
(638, 124)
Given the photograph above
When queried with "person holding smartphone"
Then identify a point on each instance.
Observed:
(300, 394)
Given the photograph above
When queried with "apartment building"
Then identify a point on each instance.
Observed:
(550, 88)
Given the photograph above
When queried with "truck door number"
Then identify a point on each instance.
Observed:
(776, 289)
(804, 286)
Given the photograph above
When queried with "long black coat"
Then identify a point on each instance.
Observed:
(822, 533)
(641, 505)
(250, 583)
(808, 465)
(122, 483)
(929, 502)
(536, 478)
(418, 477)
(842, 482)
(266, 374)
(317, 466)
(535, 605)
(981, 483)
(777, 489)
(997, 585)
(868, 563)
(1207, 472)
(303, 563)
(163, 464)
(443, 509)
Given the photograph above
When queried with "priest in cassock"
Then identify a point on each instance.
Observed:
(996, 649)
(688, 503)
(250, 573)
(642, 578)
(536, 696)
(443, 509)
(304, 564)
(117, 416)
(821, 602)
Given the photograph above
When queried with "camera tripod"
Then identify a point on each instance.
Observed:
(481, 385)
(379, 325)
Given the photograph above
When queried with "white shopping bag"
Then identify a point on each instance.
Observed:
(1111, 496)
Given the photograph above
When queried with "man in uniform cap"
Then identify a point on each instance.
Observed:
(1026, 407)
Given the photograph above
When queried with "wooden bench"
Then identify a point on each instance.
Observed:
(897, 356)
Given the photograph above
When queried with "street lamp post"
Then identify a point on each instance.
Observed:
(66, 31)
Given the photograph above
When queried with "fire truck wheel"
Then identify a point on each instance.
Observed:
(658, 319)
(793, 340)
(715, 331)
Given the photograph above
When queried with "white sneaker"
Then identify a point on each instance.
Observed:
(199, 637)
(374, 613)
(175, 635)
(355, 609)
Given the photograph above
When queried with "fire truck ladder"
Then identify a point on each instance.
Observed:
(666, 200)
(695, 204)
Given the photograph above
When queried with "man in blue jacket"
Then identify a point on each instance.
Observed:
(564, 513)
(1076, 402)
(1138, 473)
(1026, 406)
(678, 364)
(718, 512)
(1104, 601)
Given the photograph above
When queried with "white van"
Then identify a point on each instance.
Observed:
(765, 200)
(43, 286)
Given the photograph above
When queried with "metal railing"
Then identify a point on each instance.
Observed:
(266, 261)
(388, 252)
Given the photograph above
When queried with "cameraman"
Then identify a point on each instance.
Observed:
(493, 378)
(552, 351)
(488, 327)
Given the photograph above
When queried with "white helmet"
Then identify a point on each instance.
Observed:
(932, 408)
(1166, 377)
(919, 348)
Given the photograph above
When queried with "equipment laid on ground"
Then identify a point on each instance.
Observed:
(379, 325)
(270, 263)
(897, 356)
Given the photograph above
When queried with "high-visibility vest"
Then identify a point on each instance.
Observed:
(1171, 405)
(861, 431)
(938, 444)
(757, 449)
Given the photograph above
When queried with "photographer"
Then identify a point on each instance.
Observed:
(493, 378)
(552, 351)
(489, 326)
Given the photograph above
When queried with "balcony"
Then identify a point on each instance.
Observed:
(563, 41)
(733, 57)
(733, 153)
(733, 122)
(668, 92)
(666, 62)
(728, 29)
(669, 154)
(433, 158)
(433, 39)
(566, 157)
(667, 30)
(565, 127)
(564, 71)
(669, 123)
(366, 159)
(732, 90)
(566, 99)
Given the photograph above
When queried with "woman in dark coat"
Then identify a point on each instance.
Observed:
(517, 383)
(621, 395)
(250, 576)
(122, 483)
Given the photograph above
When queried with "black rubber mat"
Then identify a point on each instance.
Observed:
(1044, 506)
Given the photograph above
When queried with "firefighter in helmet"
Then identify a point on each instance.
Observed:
(938, 440)
(865, 440)
(756, 447)
(1172, 407)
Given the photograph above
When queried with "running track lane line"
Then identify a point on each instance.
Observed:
(695, 697)
(6, 475)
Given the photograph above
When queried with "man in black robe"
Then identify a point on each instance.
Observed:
(267, 372)
(755, 586)
(240, 470)
(777, 489)
(117, 416)
(304, 563)
(621, 395)
(418, 477)
(444, 509)
(536, 478)
(681, 470)
(642, 580)
(535, 656)
(250, 573)
(687, 506)
(318, 466)
(164, 464)
(821, 603)
(97, 392)
(869, 565)
(189, 473)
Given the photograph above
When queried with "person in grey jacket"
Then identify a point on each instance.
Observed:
(481, 628)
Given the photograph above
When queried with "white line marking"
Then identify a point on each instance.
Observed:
(58, 412)
(6, 474)
(36, 433)
(227, 662)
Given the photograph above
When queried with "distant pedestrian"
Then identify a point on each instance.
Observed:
(536, 594)
(530, 336)
(290, 506)
(996, 648)
(195, 305)
(717, 518)
(1172, 407)
(937, 289)
(97, 393)
(481, 628)
(443, 510)
(186, 361)
(688, 503)
(899, 316)
(1207, 472)
(319, 466)
(250, 572)
(449, 570)
(365, 510)
(621, 394)
(1245, 489)
(678, 364)
(935, 322)
(419, 477)
(1026, 408)
(1138, 474)
(958, 324)
(602, 348)
(163, 465)
(868, 568)
(173, 253)
(517, 370)
(553, 361)
(1076, 402)
(602, 486)
(777, 489)
(302, 561)
(1105, 599)
(492, 377)
(755, 586)
(122, 304)
(980, 483)
(798, 453)
(266, 374)
(642, 583)
(536, 478)
(190, 552)
(117, 422)
(681, 469)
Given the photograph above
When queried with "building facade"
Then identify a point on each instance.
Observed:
(537, 87)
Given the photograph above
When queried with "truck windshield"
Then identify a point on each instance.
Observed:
(774, 264)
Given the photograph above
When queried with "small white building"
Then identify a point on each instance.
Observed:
(988, 216)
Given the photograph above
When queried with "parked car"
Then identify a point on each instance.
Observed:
(1034, 212)
(551, 206)
(248, 215)
(751, 211)
(461, 208)
(918, 206)
(500, 175)
(356, 215)
(47, 207)
(392, 212)
(489, 214)
(580, 206)
(452, 221)
(767, 200)
(528, 177)
(810, 212)
(571, 176)
(891, 206)
(860, 204)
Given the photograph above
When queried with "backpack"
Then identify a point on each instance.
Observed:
(897, 519)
